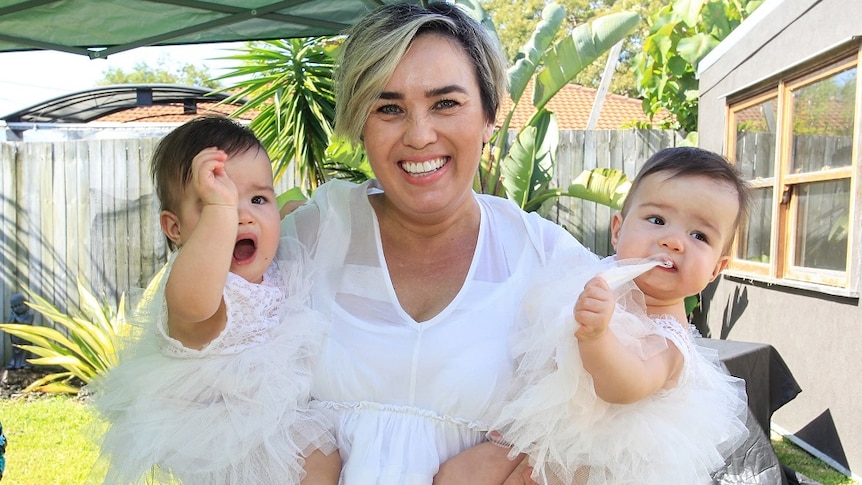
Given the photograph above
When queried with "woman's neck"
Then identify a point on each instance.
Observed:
(452, 224)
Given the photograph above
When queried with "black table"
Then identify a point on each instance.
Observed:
(769, 385)
(768, 381)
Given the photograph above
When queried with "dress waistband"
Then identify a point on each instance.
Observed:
(356, 406)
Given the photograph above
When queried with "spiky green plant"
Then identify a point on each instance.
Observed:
(289, 82)
(87, 348)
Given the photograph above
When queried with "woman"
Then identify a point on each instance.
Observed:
(420, 276)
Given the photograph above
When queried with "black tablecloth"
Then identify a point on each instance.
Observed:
(768, 381)
(769, 385)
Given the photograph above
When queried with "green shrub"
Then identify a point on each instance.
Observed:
(87, 347)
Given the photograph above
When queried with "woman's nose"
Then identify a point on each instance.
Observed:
(419, 132)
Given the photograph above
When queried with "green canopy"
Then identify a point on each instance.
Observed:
(99, 28)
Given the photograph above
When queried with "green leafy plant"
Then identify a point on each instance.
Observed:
(523, 170)
(290, 83)
(87, 348)
(681, 34)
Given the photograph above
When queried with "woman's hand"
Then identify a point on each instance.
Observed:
(483, 464)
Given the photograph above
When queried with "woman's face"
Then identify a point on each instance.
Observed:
(425, 133)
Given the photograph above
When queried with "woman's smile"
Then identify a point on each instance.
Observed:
(423, 169)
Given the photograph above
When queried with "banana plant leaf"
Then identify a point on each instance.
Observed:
(529, 164)
(571, 55)
(604, 186)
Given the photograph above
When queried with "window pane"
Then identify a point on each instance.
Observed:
(823, 123)
(756, 236)
(821, 236)
(755, 139)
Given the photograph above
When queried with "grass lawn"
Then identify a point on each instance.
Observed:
(48, 441)
(50, 444)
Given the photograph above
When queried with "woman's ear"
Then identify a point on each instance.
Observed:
(488, 132)
(171, 226)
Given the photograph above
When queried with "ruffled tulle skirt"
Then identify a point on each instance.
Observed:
(679, 435)
(239, 418)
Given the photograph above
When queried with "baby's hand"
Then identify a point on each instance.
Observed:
(209, 179)
(594, 309)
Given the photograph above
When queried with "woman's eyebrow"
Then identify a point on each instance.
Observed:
(431, 93)
(452, 88)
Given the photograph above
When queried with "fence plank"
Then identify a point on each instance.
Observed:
(8, 237)
(55, 189)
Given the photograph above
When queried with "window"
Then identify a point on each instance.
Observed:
(796, 145)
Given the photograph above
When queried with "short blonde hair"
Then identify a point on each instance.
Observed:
(376, 44)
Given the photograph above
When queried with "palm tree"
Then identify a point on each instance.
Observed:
(289, 82)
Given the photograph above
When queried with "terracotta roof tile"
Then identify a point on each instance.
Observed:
(572, 106)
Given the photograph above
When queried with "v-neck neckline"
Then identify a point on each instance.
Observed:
(390, 287)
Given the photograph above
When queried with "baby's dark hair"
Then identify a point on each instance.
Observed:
(171, 166)
(694, 162)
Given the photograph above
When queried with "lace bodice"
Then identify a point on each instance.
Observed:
(252, 311)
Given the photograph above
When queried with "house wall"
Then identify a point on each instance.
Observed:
(817, 334)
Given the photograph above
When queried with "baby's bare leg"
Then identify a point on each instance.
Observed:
(322, 469)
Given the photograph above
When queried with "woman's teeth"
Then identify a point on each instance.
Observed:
(419, 168)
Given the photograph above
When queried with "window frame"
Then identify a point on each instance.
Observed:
(784, 229)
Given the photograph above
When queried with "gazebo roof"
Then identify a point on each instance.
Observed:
(99, 28)
(92, 104)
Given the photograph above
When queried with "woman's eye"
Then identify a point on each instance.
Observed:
(388, 109)
(446, 103)
(258, 200)
(655, 220)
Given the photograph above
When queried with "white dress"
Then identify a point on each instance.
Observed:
(404, 396)
(680, 435)
(234, 412)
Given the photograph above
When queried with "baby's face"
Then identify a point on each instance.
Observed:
(690, 220)
(258, 230)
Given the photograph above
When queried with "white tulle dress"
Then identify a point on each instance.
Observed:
(234, 412)
(679, 435)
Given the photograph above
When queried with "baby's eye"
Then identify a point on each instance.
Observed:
(699, 236)
(655, 220)
(258, 200)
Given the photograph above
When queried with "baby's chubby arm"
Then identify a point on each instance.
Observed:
(194, 288)
(619, 376)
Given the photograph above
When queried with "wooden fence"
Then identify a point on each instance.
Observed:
(87, 210)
